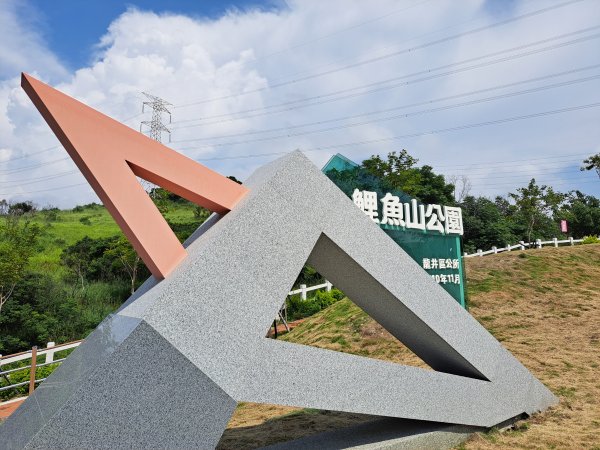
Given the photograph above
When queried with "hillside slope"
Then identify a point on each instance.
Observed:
(543, 305)
(61, 228)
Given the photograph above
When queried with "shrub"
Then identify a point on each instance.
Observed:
(299, 309)
(590, 240)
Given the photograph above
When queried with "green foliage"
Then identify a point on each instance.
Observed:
(299, 309)
(201, 213)
(592, 163)
(582, 213)
(42, 310)
(21, 208)
(534, 208)
(17, 244)
(121, 253)
(486, 224)
(590, 240)
(50, 214)
(398, 173)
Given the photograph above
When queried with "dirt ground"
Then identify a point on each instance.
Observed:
(543, 305)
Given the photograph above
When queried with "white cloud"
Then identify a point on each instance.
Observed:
(186, 60)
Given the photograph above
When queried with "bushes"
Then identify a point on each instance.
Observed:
(299, 309)
(590, 240)
(43, 309)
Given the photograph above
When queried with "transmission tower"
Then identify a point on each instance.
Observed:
(158, 106)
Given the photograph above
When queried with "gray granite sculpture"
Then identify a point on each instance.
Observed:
(167, 370)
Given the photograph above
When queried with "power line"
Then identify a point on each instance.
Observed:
(411, 135)
(520, 160)
(399, 116)
(46, 190)
(31, 154)
(380, 49)
(484, 171)
(561, 183)
(389, 55)
(25, 168)
(559, 170)
(478, 168)
(410, 105)
(342, 30)
(28, 155)
(37, 180)
(381, 85)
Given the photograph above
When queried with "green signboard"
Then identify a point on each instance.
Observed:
(430, 234)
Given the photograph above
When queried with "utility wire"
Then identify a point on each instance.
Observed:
(381, 85)
(472, 174)
(342, 30)
(389, 55)
(549, 183)
(400, 116)
(33, 166)
(520, 160)
(37, 180)
(410, 105)
(559, 171)
(380, 49)
(407, 136)
(54, 147)
(45, 190)
(484, 171)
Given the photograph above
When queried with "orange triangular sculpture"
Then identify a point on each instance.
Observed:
(110, 155)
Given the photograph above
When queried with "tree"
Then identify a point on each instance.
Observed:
(592, 163)
(462, 187)
(399, 172)
(582, 212)
(535, 206)
(122, 251)
(485, 224)
(17, 244)
(18, 209)
(86, 260)
(395, 171)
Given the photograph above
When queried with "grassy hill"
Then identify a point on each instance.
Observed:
(62, 228)
(543, 305)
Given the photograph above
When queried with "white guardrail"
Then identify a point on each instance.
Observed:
(522, 245)
(32, 355)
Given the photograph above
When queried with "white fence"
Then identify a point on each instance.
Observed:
(303, 289)
(32, 354)
(522, 245)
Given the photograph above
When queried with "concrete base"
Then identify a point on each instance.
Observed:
(388, 434)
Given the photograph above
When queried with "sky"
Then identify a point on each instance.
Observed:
(495, 91)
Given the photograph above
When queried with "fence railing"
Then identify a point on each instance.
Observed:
(33, 354)
(522, 245)
(303, 289)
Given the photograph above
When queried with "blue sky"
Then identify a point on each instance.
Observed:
(492, 90)
(72, 28)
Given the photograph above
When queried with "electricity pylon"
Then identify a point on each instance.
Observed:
(158, 106)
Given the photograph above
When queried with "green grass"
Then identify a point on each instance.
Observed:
(66, 227)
